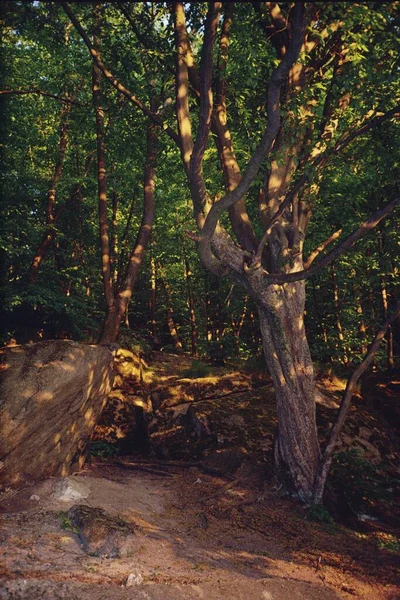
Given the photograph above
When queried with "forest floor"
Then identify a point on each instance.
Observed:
(208, 523)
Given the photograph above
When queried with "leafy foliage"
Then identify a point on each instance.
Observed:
(42, 51)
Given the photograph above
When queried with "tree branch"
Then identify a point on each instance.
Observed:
(320, 161)
(114, 82)
(196, 179)
(322, 247)
(43, 93)
(326, 459)
(329, 258)
(184, 58)
(206, 98)
(239, 218)
(273, 123)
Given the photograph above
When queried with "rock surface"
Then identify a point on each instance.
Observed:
(51, 396)
(101, 534)
(68, 489)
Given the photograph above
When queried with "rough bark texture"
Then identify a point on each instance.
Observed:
(51, 396)
(289, 362)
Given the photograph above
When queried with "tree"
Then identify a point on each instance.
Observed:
(282, 150)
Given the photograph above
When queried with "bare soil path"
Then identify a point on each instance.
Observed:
(196, 537)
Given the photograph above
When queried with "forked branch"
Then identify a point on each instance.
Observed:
(340, 249)
(272, 127)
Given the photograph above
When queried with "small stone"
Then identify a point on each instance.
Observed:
(135, 578)
(198, 480)
(35, 498)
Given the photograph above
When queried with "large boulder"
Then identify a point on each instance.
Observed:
(51, 396)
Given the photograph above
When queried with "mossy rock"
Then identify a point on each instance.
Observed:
(99, 533)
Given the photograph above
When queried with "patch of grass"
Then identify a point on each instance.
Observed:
(66, 523)
(319, 513)
(102, 450)
(389, 542)
(196, 370)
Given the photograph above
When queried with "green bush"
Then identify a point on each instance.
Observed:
(197, 369)
(358, 481)
(319, 513)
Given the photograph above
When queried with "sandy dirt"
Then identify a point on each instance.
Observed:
(197, 536)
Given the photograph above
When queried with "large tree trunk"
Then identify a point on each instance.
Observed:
(289, 363)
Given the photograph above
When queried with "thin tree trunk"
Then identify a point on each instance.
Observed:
(318, 313)
(207, 308)
(238, 326)
(153, 304)
(385, 305)
(114, 317)
(192, 309)
(114, 240)
(51, 215)
(327, 456)
(173, 331)
(362, 329)
(336, 303)
(254, 332)
(111, 324)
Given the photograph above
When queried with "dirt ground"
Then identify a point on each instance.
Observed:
(199, 533)
(197, 536)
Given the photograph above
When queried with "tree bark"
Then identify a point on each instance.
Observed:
(192, 309)
(289, 363)
(173, 331)
(118, 308)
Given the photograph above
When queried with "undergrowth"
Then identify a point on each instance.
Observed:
(359, 482)
(102, 450)
(197, 369)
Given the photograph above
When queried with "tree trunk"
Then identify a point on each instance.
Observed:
(153, 304)
(362, 328)
(336, 302)
(192, 311)
(170, 316)
(319, 316)
(51, 216)
(110, 331)
(119, 301)
(385, 305)
(289, 362)
(237, 326)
